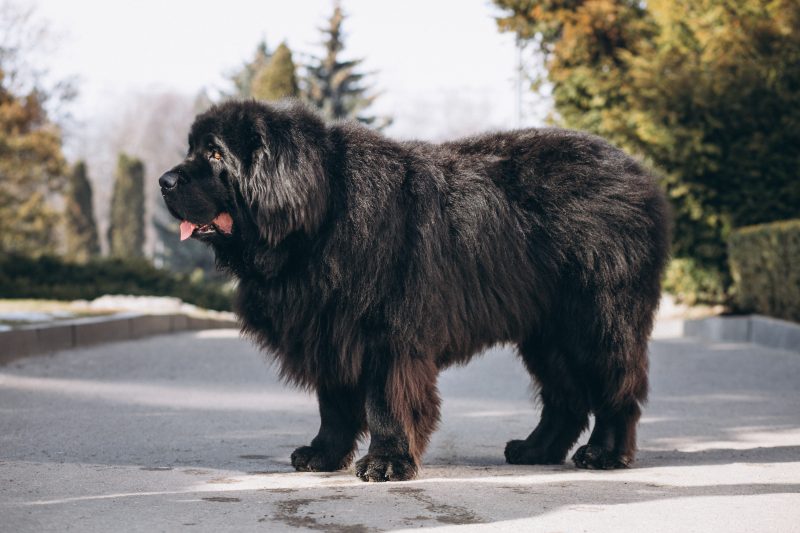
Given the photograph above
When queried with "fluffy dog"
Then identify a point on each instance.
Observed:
(367, 265)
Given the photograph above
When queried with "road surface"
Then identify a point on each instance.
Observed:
(193, 432)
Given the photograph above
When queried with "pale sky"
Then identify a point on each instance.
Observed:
(441, 65)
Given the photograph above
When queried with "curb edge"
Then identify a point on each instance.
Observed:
(68, 334)
(756, 329)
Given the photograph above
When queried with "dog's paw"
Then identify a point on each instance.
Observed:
(522, 452)
(597, 458)
(311, 459)
(386, 468)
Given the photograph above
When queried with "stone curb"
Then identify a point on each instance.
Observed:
(756, 329)
(63, 335)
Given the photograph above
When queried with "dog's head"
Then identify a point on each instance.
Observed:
(252, 171)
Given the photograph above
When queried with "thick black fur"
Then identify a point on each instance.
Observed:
(367, 265)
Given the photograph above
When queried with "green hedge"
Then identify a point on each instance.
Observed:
(56, 279)
(692, 284)
(765, 264)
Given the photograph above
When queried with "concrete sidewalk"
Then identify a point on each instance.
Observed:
(193, 432)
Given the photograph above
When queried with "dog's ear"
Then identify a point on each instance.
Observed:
(285, 185)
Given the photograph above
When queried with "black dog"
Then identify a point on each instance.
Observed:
(367, 265)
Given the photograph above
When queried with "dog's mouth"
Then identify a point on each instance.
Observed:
(222, 223)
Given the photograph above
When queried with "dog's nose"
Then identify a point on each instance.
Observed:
(169, 180)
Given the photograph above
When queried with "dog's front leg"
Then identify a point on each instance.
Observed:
(341, 411)
(402, 407)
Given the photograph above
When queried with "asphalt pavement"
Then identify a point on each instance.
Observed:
(193, 432)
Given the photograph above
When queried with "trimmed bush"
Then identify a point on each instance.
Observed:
(53, 278)
(765, 264)
(692, 284)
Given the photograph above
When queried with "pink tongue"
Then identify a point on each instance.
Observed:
(186, 229)
(224, 223)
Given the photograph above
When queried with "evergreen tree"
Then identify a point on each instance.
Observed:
(31, 171)
(333, 85)
(81, 230)
(706, 91)
(126, 224)
(277, 78)
(243, 79)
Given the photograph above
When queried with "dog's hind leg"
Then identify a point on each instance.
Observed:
(402, 406)
(343, 419)
(619, 370)
(565, 409)
(613, 440)
(612, 443)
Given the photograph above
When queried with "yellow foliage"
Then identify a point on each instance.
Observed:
(32, 170)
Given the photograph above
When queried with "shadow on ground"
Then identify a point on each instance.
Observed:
(177, 426)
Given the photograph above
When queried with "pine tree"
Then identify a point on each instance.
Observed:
(277, 79)
(126, 225)
(334, 86)
(81, 230)
(243, 79)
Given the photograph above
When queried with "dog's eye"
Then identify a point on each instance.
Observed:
(216, 155)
